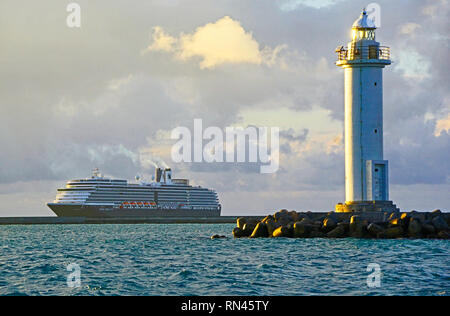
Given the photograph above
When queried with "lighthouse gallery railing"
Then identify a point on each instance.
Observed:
(364, 52)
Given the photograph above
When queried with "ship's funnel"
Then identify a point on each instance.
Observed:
(167, 175)
(158, 174)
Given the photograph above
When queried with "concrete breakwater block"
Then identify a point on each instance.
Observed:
(374, 224)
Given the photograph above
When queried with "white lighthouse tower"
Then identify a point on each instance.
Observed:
(366, 173)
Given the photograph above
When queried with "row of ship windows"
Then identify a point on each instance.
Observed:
(118, 200)
(132, 186)
(135, 197)
(96, 181)
(140, 197)
(126, 186)
(141, 191)
(129, 200)
(189, 204)
(106, 202)
(98, 198)
(138, 192)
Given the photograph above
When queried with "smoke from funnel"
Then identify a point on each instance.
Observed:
(149, 161)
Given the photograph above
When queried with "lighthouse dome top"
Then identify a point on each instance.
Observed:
(364, 22)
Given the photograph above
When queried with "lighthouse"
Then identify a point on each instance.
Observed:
(366, 171)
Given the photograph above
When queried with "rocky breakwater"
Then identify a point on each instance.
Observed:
(381, 225)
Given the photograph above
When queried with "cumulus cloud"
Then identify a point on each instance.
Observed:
(433, 8)
(442, 125)
(412, 64)
(221, 42)
(408, 28)
(335, 145)
(162, 41)
(290, 5)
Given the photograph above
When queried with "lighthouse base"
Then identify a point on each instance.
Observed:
(366, 206)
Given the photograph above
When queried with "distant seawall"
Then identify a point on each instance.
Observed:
(122, 220)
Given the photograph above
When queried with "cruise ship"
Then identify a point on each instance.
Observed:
(99, 196)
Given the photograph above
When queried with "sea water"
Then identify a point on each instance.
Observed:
(181, 259)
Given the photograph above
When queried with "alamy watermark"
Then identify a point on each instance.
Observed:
(374, 278)
(74, 18)
(74, 277)
(374, 13)
(230, 146)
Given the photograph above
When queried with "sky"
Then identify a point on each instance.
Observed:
(108, 95)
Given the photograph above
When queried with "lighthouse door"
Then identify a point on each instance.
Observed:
(379, 182)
